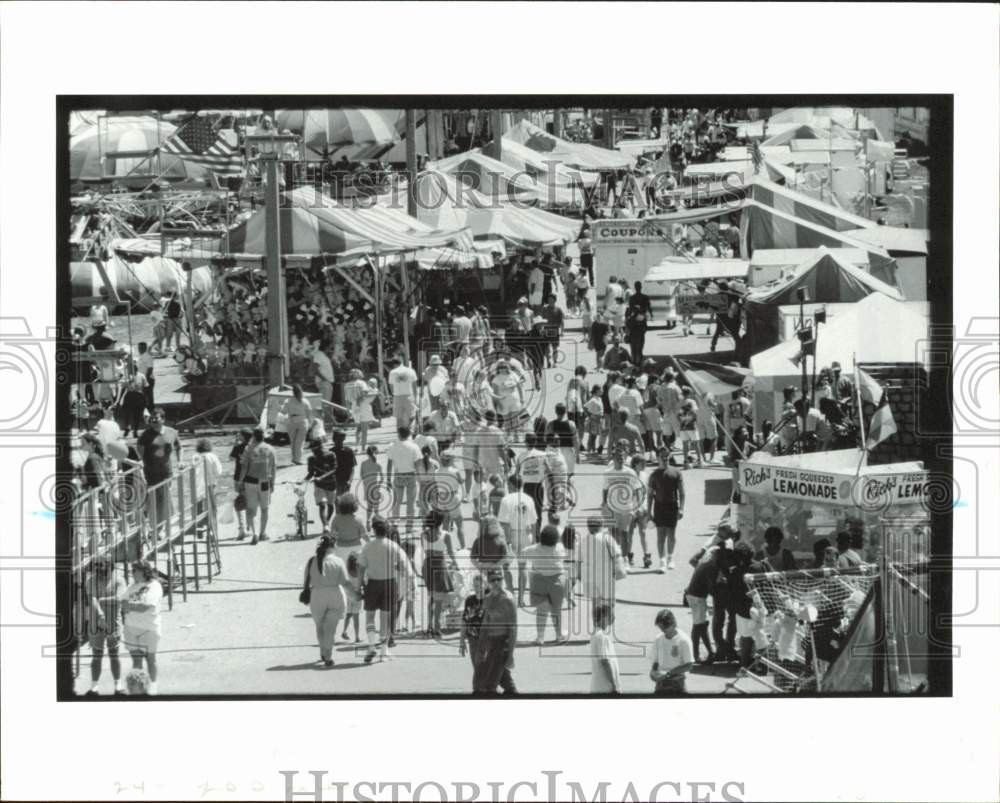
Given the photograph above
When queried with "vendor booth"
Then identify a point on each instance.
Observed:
(825, 277)
(674, 285)
(878, 330)
(817, 495)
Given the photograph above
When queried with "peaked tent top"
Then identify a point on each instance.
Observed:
(574, 154)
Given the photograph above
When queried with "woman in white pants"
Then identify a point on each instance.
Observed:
(300, 416)
(326, 577)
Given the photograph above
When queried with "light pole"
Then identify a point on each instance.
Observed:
(277, 313)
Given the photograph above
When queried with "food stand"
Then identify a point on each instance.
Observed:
(816, 495)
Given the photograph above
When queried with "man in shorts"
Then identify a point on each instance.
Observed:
(322, 469)
(384, 568)
(403, 381)
(666, 506)
(104, 587)
(401, 473)
(256, 481)
(159, 448)
(669, 397)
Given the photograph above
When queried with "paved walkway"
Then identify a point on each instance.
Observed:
(246, 633)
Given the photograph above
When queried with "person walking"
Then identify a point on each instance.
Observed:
(104, 587)
(544, 566)
(236, 455)
(258, 468)
(327, 578)
(567, 438)
(618, 499)
(598, 558)
(605, 675)
(531, 470)
(299, 418)
(141, 605)
(665, 501)
(347, 461)
(403, 382)
(159, 448)
(517, 516)
(472, 620)
(400, 473)
(637, 317)
(672, 656)
(494, 654)
(385, 568)
(439, 563)
(322, 468)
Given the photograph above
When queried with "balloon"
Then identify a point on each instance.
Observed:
(118, 450)
(436, 385)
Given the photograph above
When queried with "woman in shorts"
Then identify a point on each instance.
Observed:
(142, 619)
(439, 562)
(545, 566)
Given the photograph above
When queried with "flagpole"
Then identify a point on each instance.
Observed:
(861, 416)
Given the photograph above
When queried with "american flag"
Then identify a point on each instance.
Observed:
(198, 141)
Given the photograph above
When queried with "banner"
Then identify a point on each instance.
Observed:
(629, 231)
(702, 304)
(869, 491)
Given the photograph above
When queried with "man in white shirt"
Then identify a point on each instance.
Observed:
(403, 383)
(445, 425)
(596, 553)
(517, 516)
(605, 677)
(616, 391)
(324, 372)
(401, 473)
(531, 470)
(99, 314)
(673, 656)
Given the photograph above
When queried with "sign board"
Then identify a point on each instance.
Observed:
(868, 491)
(701, 304)
(619, 232)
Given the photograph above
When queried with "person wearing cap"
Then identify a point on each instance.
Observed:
(104, 587)
(434, 379)
(494, 652)
(99, 340)
(843, 388)
(445, 423)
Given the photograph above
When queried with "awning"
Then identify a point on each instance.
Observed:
(719, 380)
(677, 269)
(894, 239)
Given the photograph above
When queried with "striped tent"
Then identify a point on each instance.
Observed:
(325, 130)
(119, 134)
(804, 207)
(572, 154)
(140, 281)
(825, 277)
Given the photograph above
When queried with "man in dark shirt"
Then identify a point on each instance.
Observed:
(740, 601)
(346, 461)
(322, 468)
(666, 506)
(159, 448)
(554, 322)
(637, 317)
(617, 356)
(99, 340)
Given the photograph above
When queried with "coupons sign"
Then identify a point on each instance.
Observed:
(628, 231)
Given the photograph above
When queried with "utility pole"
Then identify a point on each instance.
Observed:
(557, 122)
(270, 146)
(411, 162)
(277, 315)
(496, 128)
(609, 129)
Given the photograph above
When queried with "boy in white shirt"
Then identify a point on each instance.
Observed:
(605, 676)
(673, 656)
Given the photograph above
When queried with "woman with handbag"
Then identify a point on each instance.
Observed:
(544, 564)
(326, 577)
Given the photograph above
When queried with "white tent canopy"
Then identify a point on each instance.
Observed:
(878, 330)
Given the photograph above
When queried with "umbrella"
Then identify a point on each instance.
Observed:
(325, 130)
(90, 142)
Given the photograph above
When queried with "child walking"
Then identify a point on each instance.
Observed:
(371, 481)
